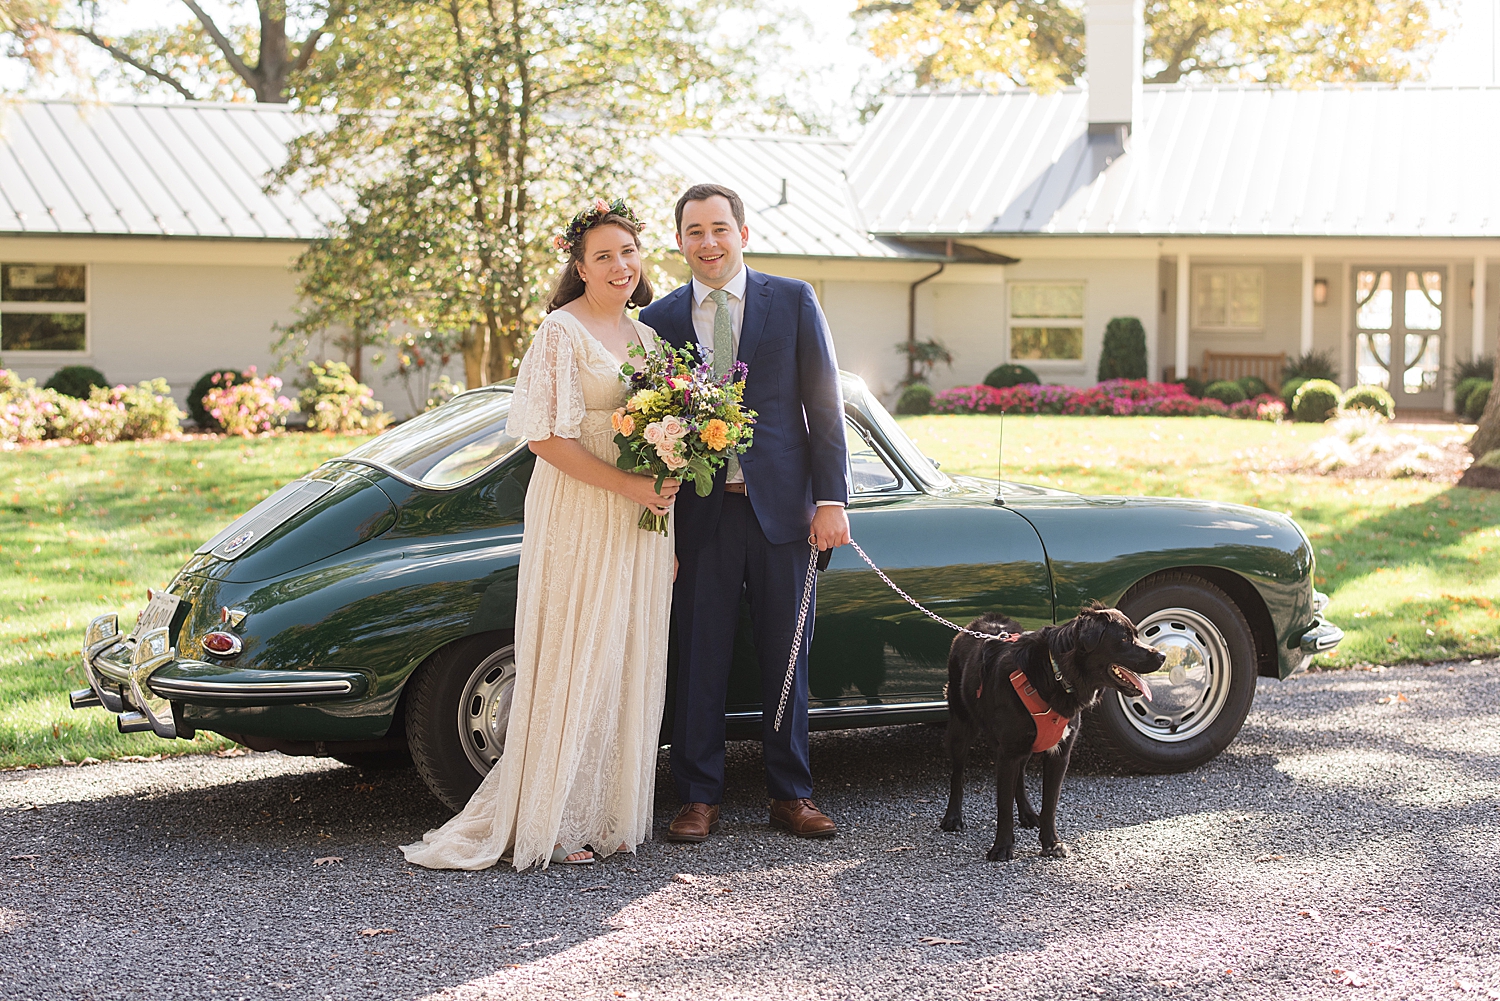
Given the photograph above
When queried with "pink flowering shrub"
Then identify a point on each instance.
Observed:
(1113, 397)
(254, 406)
(29, 414)
(26, 412)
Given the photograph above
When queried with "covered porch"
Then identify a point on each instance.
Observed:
(1395, 313)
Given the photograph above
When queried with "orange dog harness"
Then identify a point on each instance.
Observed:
(1050, 725)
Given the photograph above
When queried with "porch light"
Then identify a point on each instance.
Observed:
(1320, 291)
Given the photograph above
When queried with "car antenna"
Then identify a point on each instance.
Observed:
(1000, 463)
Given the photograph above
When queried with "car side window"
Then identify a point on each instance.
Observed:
(868, 472)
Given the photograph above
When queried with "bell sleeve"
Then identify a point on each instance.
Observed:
(548, 398)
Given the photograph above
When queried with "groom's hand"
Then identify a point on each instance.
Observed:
(830, 527)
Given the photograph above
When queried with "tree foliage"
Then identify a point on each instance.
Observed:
(463, 134)
(258, 48)
(998, 44)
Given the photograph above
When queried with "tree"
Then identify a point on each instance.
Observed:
(998, 44)
(1487, 435)
(198, 59)
(465, 134)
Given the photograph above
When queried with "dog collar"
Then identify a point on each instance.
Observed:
(1057, 673)
(1050, 724)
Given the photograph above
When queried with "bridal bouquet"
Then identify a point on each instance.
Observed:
(680, 421)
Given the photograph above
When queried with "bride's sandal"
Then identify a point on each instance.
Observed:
(560, 857)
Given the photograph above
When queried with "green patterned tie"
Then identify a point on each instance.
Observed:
(723, 350)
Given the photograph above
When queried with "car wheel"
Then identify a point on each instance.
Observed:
(1202, 694)
(457, 710)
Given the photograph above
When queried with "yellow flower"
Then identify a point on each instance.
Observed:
(715, 434)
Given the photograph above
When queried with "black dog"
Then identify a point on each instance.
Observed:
(1060, 670)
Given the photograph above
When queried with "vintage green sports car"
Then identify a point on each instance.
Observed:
(365, 610)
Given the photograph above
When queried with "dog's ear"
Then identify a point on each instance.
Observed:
(1091, 629)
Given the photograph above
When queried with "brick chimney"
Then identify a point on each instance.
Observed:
(1115, 43)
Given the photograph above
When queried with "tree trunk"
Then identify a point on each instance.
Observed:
(272, 69)
(476, 344)
(1487, 438)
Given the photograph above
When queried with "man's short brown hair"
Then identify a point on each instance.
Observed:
(703, 192)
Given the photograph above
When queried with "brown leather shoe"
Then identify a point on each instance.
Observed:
(694, 822)
(801, 818)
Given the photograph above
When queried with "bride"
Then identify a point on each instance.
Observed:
(578, 772)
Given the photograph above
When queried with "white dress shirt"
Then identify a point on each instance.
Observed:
(704, 310)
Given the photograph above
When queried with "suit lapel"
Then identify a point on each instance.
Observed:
(757, 308)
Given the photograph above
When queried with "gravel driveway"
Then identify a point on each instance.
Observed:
(1343, 847)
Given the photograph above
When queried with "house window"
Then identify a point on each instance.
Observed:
(1046, 321)
(1229, 299)
(43, 307)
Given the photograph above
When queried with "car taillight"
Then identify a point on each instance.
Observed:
(222, 644)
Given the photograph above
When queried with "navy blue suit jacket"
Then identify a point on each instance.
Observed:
(798, 455)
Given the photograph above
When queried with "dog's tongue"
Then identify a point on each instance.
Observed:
(1139, 682)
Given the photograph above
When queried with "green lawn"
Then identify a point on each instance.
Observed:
(1413, 568)
(85, 530)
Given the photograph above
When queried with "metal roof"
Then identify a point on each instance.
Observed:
(199, 170)
(817, 218)
(1362, 161)
(193, 170)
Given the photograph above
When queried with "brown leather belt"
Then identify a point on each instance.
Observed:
(734, 488)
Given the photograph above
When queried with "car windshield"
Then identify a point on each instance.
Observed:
(448, 445)
(924, 468)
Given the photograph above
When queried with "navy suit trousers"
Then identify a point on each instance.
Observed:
(733, 562)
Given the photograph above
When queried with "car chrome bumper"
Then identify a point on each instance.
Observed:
(140, 677)
(1323, 637)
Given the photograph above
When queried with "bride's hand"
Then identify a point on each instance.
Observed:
(642, 490)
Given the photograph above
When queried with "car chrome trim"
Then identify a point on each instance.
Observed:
(1319, 602)
(188, 687)
(1323, 637)
(394, 473)
(837, 712)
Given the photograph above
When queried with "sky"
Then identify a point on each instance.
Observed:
(836, 63)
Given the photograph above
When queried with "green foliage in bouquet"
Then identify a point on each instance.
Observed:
(680, 421)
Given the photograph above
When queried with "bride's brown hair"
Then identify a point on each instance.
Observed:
(570, 285)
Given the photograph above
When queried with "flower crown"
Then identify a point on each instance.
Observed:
(588, 217)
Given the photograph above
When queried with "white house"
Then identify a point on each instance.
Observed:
(1241, 225)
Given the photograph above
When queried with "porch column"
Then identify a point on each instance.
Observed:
(1480, 264)
(1184, 276)
(1307, 303)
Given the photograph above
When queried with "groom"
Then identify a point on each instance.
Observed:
(750, 535)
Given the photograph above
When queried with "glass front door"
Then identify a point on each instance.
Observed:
(1399, 324)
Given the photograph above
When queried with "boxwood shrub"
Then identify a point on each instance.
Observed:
(1478, 399)
(1226, 392)
(1253, 385)
(77, 381)
(1368, 398)
(1123, 355)
(915, 399)
(1316, 401)
(1289, 390)
(1005, 376)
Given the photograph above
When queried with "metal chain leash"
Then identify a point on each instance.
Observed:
(807, 588)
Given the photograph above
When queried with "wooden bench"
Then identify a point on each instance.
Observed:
(1219, 365)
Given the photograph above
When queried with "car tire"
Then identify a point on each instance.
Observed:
(1200, 697)
(457, 708)
(376, 761)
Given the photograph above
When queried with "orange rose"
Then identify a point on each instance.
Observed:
(626, 426)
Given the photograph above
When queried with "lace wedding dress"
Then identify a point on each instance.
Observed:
(593, 600)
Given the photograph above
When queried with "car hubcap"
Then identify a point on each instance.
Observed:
(1190, 690)
(484, 711)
